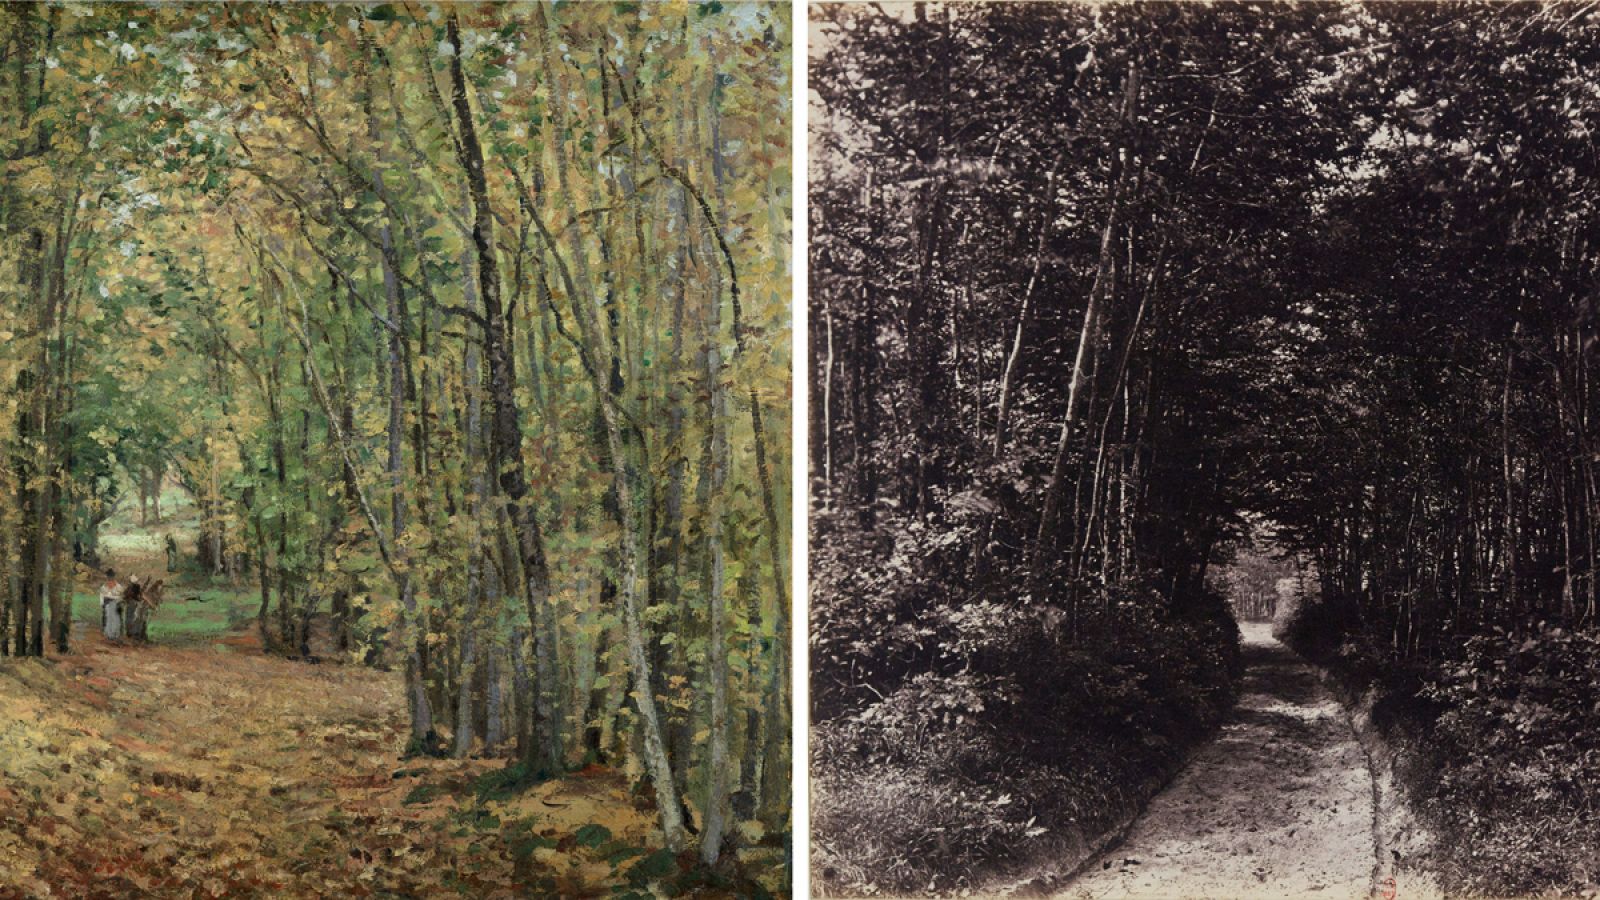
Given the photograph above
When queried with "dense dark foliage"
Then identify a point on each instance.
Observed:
(1006, 734)
(1094, 285)
(1439, 466)
(1500, 747)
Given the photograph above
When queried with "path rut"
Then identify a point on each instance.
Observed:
(1279, 805)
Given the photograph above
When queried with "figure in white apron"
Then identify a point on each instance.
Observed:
(111, 606)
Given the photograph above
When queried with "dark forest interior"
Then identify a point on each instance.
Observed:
(1094, 289)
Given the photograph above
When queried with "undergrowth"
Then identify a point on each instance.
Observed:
(1500, 735)
(960, 735)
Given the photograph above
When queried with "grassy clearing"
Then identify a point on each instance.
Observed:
(209, 613)
(123, 536)
(197, 607)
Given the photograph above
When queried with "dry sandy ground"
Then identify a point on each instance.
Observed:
(1280, 805)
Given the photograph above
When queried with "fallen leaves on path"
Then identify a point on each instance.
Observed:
(209, 772)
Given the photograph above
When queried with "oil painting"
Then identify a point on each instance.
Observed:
(395, 450)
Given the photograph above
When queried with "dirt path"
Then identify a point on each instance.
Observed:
(200, 771)
(1279, 805)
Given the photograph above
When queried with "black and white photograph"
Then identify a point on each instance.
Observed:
(1202, 449)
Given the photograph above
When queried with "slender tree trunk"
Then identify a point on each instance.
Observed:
(494, 700)
(716, 474)
(1509, 519)
(521, 691)
(827, 405)
(471, 376)
(1088, 338)
(629, 557)
(507, 452)
(1008, 376)
(424, 739)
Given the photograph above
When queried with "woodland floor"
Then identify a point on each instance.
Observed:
(197, 766)
(1278, 805)
(206, 771)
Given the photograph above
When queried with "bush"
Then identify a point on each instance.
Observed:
(1520, 737)
(1317, 630)
(1501, 741)
(876, 601)
(986, 729)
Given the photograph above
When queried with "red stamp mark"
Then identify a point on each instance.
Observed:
(1387, 889)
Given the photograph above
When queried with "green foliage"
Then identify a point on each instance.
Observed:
(655, 866)
(239, 252)
(592, 836)
(522, 847)
(503, 784)
(423, 793)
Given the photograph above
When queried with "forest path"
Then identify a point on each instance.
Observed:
(189, 770)
(1278, 805)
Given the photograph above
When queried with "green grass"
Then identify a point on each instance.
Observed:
(197, 607)
(186, 614)
(121, 536)
(138, 544)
